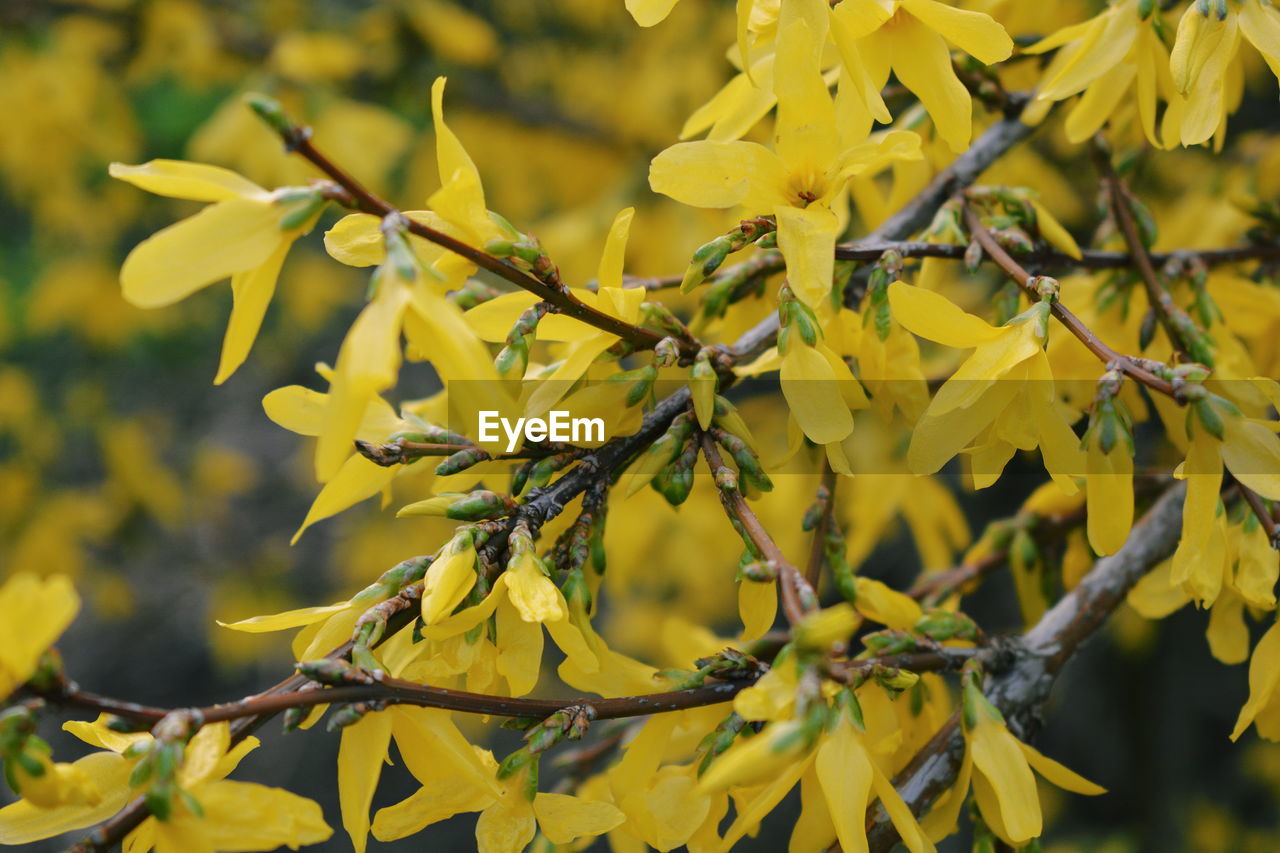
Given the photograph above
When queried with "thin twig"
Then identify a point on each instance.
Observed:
(1063, 314)
(798, 597)
(1157, 296)
(818, 547)
(365, 200)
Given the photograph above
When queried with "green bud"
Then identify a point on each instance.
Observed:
(1209, 418)
(272, 113)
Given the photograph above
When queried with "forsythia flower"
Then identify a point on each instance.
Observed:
(1263, 707)
(613, 299)
(1219, 435)
(244, 234)
(301, 410)
(1003, 786)
(799, 180)
(510, 814)
(1204, 63)
(1002, 396)
(1104, 58)
(840, 768)
(910, 37)
(234, 815)
(33, 613)
(818, 385)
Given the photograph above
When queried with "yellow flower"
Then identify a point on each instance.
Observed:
(910, 37)
(1263, 707)
(430, 745)
(999, 767)
(1105, 58)
(33, 613)
(1251, 452)
(234, 815)
(1109, 483)
(1001, 399)
(244, 234)
(1204, 63)
(840, 766)
(460, 782)
(301, 410)
(525, 600)
(613, 299)
(798, 181)
(57, 783)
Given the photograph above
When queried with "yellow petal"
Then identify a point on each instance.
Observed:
(33, 614)
(440, 800)
(1110, 497)
(650, 12)
(179, 179)
(368, 363)
(448, 580)
(507, 826)
(977, 34)
(807, 239)
(287, 619)
(1264, 678)
(1156, 595)
(997, 756)
(936, 439)
(931, 315)
(223, 239)
(563, 818)
(360, 754)
(533, 593)
(1053, 232)
(718, 174)
(296, 408)
(356, 239)
(845, 771)
(461, 199)
(883, 604)
(1227, 633)
(1261, 26)
(809, 387)
(1063, 777)
(757, 607)
(23, 823)
(247, 816)
(251, 291)
(913, 835)
(609, 273)
(519, 649)
(358, 479)
(1251, 453)
(923, 64)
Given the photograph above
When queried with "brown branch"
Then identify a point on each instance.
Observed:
(1268, 521)
(1063, 314)
(818, 547)
(1157, 296)
(798, 597)
(1090, 259)
(298, 140)
(1093, 259)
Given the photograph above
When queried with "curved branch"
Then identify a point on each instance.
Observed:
(1063, 314)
